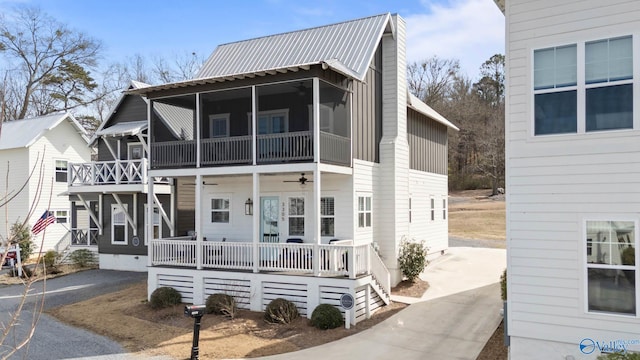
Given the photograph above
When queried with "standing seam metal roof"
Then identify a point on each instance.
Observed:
(352, 44)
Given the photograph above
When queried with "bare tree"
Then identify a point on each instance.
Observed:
(37, 48)
(431, 79)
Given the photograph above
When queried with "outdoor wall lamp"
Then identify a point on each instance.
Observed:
(248, 207)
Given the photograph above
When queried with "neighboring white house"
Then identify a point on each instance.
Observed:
(301, 155)
(573, 169)
(42, 146)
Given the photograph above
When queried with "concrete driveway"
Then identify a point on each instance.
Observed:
(453, 320)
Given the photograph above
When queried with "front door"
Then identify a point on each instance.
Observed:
(269, 232)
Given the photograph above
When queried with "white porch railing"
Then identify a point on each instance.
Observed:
(334, 260)
(173, 252)
(226, 150)
(173, 153)
(335, 148)
(84, 237)
(109, 173)
(285, 146)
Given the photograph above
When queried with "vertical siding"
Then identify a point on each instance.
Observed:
(427, 143)
(132, 108)
(556, 182)
(64, 143)
(367, 112)
(185, 205)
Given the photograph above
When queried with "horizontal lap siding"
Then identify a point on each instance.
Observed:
(554, 183)
(424, 186)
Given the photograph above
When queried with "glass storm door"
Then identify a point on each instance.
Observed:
(269, 225)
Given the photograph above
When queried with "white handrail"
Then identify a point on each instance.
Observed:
(380, 271)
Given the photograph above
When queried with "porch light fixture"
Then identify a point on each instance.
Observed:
(248, 207)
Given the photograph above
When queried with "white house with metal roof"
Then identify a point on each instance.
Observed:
(573, 202)
(306, 164)
(34, 157)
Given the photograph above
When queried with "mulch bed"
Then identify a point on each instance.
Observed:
(413, 289)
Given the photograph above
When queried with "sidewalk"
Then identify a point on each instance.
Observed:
(453, 320)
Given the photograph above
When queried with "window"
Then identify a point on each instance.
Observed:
(364, 211)
(433, 209)
(119, 233)
(135, 151)
(607, 84)
(219, 125)
(609, 77)
(157, 224)
(611, 267)
(444, 209)
(327, 216)
(273, 121)
(555, 79)
(220, 210)
(62, 216)
(61, 170)
(296, 216)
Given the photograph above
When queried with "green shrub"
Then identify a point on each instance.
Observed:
(21, 234)
(629, 256)
(620, 356)
(503, 285)
(326, 316)
(83, 258)
(412, 258)
(163, 297)
(26, 272)
(51, 258)
(281, 311)
(222, 304)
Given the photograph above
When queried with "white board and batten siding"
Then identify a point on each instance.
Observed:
(555, 183)
(423, 187)
(254, 291)
(60, 143)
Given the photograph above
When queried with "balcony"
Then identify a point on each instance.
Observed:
(272, 122)
(118, 172)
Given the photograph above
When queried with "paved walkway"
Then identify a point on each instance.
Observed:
(453, 320)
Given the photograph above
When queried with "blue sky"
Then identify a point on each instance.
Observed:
(468, 30)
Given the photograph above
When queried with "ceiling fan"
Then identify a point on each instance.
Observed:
(302, 180)
(203, 183)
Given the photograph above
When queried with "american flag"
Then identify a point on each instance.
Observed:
(44, 221)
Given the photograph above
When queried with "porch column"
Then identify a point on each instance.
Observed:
(197, 130)
(198, 220)
(254, 140)
(316, 221)
(172, 210)
(256, 221)
(316, 121)
(148, 231)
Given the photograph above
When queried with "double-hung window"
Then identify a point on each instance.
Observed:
(555, 90)
(364, 212)
(609, 84)
(296, 216)
(220, 210)
(604, 91)
(611, 270)
(62, 216)
(433, 208)
(61, 170)
(219, 125)
(327, 216)
(119, 233)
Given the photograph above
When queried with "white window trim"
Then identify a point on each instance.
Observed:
(117, 207)
(130, 146)
(211, 210)
(303, 216)
(329, 216)
(68, 217)
(218, 116)
(284, 112)
(56, 171)
(358, 212)
(585, 265)
(581, 89)
(160, 225)
(432, 208)
(444, 208)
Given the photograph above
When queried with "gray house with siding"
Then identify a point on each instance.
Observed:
(303, 163)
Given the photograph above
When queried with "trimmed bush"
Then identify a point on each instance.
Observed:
(326, 316)
(503, 285)
(163, 297)
(83, 258)
(21, 234)
(412, 258)
(281, 311)
(222, 304)
(51, 258)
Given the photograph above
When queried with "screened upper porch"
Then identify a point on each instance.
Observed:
(216, 128)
